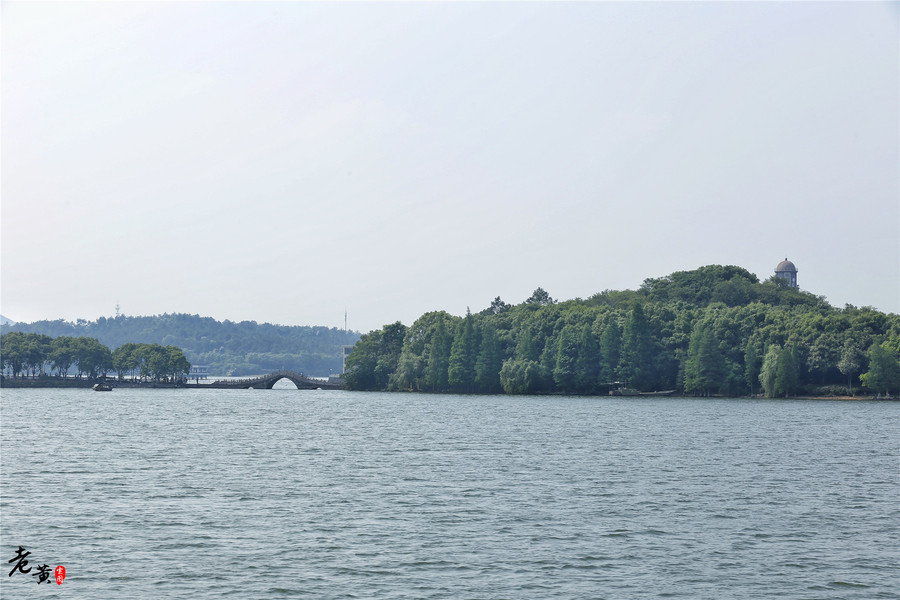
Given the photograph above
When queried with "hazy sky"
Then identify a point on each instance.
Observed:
(281, 161)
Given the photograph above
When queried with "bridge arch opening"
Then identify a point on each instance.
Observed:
(285, 383)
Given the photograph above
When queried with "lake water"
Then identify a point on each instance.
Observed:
(316, 494)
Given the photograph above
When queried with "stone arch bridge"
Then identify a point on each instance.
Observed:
(265, 382)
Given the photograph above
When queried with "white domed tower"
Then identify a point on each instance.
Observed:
(787, 271)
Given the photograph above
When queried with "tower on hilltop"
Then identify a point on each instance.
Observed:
(787, 271)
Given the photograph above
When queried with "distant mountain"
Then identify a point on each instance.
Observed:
(6, 321)
(227, 348)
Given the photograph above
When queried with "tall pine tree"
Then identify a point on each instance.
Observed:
(463, 354)
(490, 361)
(587, 367)
(566, 369)
(437, 359)
(705, 368)
(610, 350)
(636, 366)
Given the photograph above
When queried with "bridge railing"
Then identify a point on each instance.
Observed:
(272, 377)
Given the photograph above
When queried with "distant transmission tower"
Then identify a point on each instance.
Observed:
(117, 309)
(345, 320)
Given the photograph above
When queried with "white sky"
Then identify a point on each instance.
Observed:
(281, 161)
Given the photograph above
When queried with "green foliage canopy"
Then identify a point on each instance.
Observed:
(30, 353)
(227, 347)
(715, 330)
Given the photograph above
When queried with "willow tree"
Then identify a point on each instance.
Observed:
(787, 372)
(768, 370)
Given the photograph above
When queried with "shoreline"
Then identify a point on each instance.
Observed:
(52, 382)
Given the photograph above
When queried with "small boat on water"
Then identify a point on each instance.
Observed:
(101, 387)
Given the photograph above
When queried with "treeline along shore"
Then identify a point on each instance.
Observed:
(716, 330)
(37, 360)
(227, 348)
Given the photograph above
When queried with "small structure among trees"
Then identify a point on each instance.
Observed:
(787, 271)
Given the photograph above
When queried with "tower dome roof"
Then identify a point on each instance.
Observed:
(785, 266)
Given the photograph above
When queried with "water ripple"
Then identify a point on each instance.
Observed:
(280, 493)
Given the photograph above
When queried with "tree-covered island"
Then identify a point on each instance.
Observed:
(714, 330)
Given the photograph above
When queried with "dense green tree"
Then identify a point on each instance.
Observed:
(463, 354)
(410, 373)
(638, 353)
(37, 352)
(178, 366)
(437, 357)
(824, 354)
(547, 364)
(528, 346)
(62, 354)
(851, 362)
(497, 307)
(548, 350)
(416, 351)
(787, 372)
(733, 292)
(768, 371)
(521, 376)
(389, 353)
(161, 363)
(892, 344)
(705, 368)
(124, 359)
(610, 350)
(375, 358)
(490, 361)
(223, 346)
(92, 358)
(33, 355)
(565, 371)
(752, 365)
(884, 370)
(587, 367)
(540, 297)
(13, 349)
(707, 284)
